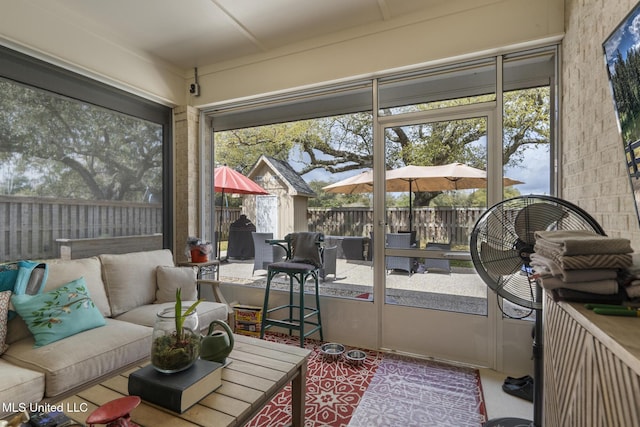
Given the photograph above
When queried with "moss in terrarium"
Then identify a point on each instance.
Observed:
(168, 354)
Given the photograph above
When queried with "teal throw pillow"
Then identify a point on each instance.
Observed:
(32, 276)
(30, 279)
(8, 275)
(59, 313)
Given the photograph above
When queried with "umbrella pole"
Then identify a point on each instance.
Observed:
(220, 225)
(410, 209)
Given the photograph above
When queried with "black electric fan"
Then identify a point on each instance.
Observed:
(501, 244)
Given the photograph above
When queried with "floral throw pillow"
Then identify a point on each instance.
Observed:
(5, 297)
(59, 313)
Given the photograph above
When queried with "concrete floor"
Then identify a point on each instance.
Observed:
(459, 289)
(500, 404)
(355, 277)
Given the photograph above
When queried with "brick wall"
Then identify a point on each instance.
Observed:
(186, 181)
(592, 157)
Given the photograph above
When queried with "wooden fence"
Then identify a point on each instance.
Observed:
(441, 224)
(30, 226)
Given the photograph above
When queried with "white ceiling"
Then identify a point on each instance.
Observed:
(191, 33)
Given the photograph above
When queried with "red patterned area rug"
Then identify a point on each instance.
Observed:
(384, 390)
(334, 388)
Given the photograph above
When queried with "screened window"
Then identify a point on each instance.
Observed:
(460, 84)
(78, 160)
(463, 113)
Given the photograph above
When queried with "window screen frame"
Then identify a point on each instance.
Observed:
(36, 73)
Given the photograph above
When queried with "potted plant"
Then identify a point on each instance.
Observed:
(198, 250)
(175, 344)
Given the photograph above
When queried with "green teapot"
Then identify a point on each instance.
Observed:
(216, 345)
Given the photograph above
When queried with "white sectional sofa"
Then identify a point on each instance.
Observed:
(125, 288)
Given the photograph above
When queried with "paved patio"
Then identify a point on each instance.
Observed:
(461, 290)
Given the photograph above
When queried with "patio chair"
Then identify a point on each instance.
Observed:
(353, 248)
(265, 253)
(303, 262)
(399, 240)
(438, 264)
(414, 242)
(329, 256)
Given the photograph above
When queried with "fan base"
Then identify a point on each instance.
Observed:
(508, 422)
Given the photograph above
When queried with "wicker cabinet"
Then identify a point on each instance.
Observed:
(591, 367)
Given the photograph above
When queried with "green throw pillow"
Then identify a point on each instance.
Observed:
(59, 313)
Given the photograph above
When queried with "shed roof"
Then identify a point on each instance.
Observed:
(292, 179)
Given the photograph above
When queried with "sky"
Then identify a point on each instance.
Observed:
(534, 172)
(624, 38)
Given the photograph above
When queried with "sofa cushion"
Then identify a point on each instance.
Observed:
(64, 271)
(207, 313)
(5, 297)
(16, 330)
(60, 273)
(59, 313)
(84, 357)
(19, 386)
(130, 279)
(172, 278)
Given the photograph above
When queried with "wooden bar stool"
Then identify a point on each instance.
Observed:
(303, 261)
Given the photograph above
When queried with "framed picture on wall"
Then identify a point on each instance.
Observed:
(622, 56)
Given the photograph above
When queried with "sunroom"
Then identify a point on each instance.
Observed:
(419, 67)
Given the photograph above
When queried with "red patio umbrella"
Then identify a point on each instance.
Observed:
(227, 180)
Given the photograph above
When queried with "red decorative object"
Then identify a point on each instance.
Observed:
(198, 256)
(115, 413)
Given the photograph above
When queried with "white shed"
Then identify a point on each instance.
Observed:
(284, 210)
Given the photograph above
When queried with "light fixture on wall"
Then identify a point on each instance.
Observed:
(194, 89)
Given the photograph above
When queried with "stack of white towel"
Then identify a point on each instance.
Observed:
(632, 280)
(580, 260)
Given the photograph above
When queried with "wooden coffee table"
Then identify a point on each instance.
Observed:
(259, 370)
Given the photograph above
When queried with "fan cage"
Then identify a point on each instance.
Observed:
(504, 237)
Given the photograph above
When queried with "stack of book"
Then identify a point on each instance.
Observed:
(178, 391)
